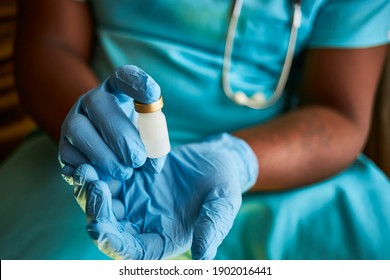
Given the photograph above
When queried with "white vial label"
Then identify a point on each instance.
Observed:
(153, 130)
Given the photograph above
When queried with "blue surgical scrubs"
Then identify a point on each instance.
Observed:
(181, 45)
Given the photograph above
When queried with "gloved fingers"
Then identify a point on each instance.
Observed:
(110, 236)
(114, 126)
(119, 244)
(112, 241)
(126, 103)
(154, 165)
(67, 173)
(99, 202)
(152, 245)
(82, 135)
(115, 186)
(85, 174)
(134, 82)
(118, 208)
(82, 176)
(213, 224)
(69, 155)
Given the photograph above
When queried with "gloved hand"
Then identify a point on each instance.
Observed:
(101, 128)
(192, 203)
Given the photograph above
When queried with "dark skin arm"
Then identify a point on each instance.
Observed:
(317, 140)
(329, 130)
(53, 45)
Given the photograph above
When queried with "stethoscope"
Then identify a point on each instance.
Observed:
(258, 100)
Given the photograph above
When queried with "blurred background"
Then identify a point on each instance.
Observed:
(15, 124)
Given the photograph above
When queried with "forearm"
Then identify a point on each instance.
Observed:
(52, 52)
(303, 147)
(49, 80)
(324, 136)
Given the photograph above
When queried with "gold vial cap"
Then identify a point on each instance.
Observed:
(148, 108)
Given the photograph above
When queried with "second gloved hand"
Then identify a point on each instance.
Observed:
(192, 203)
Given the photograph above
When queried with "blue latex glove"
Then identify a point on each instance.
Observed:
(101, 128)
(192, 203)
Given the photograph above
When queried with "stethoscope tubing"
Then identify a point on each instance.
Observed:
(258, 100)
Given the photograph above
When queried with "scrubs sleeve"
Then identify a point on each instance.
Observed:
(351, 23)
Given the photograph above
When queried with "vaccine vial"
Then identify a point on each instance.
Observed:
(152, 127)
